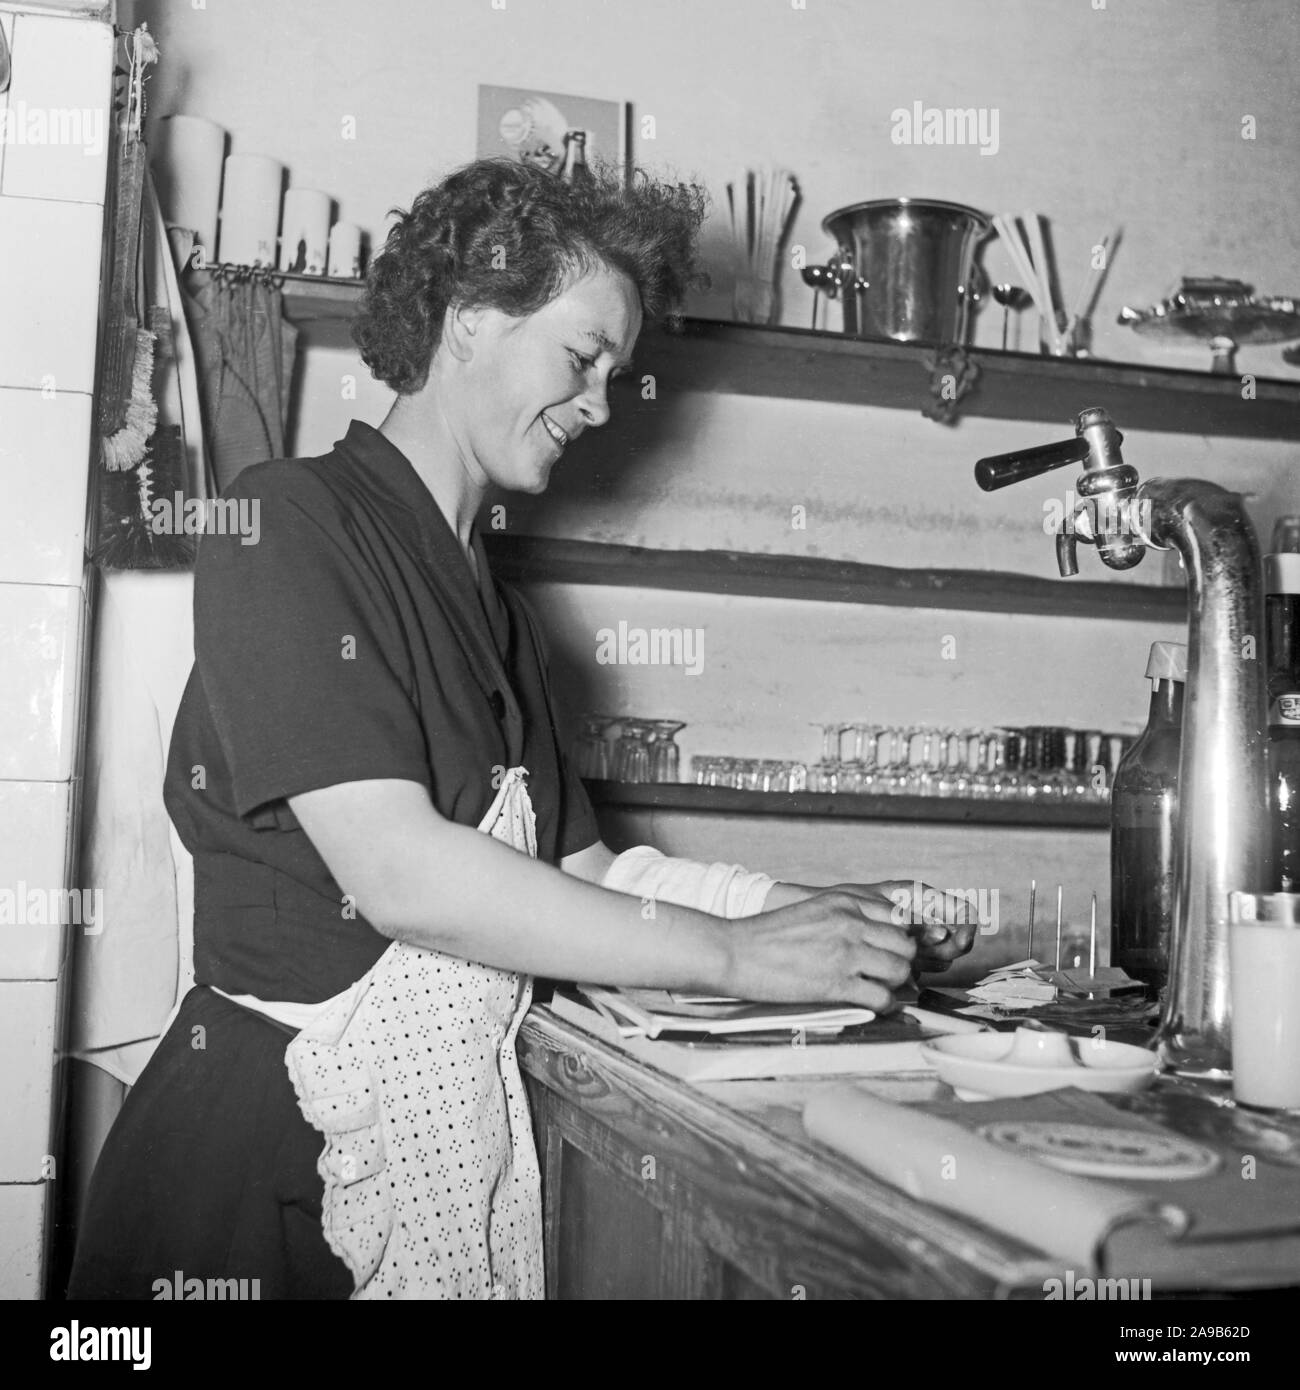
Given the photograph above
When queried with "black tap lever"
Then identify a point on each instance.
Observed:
(1004, 469)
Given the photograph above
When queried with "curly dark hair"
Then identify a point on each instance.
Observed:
(507, 235)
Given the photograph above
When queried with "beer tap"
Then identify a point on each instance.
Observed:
(1222, 785)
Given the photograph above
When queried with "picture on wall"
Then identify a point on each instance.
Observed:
(531, 126)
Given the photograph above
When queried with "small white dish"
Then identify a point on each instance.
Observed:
(984, 1066)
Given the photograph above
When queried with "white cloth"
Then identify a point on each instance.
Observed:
(432, 1186)
(128, 980)
(725, 890)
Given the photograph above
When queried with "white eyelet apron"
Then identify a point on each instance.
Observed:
(432, 1188)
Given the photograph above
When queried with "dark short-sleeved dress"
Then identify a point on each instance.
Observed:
(348, 642)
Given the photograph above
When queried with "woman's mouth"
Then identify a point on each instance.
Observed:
(554, 430)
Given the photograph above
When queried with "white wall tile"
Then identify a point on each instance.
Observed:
(49, 287)
(41, 630)
(45, 461)
(35, 818)
(28, 1040)
(22, 1243)
(60, 103)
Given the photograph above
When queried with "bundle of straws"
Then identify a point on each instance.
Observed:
(759, 204)
(1029, 256)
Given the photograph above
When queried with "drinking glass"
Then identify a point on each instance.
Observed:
(754, 299)
(979, 764)
(952, 746)
(591, 749)
(1031, 763)
(965, 764)
(632, 752)
(665, 756)
(767, 774)
(1059, 780)
(1093, 764)
(867, 746)
(920, 762)
(827, 773)
(894, 768)
(1010, 780)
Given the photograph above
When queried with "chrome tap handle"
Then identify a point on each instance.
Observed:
(1001, 470)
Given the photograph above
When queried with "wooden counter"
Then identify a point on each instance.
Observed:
(657, 1188)
(654, 1188)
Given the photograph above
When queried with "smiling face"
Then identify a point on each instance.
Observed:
(527, 387)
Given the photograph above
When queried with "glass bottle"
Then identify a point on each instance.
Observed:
(1144, 827)
(1286, 536)
(1282, 637)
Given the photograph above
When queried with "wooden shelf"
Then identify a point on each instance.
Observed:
(541, 559)
(799, 364)
(707, 355)
(687, 797)
(321, 308)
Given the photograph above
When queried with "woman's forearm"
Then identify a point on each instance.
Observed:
(420, 878)
(481, 900)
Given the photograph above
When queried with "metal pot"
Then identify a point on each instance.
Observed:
(906, 268)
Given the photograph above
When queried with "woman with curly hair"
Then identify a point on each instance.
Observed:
(388, 844)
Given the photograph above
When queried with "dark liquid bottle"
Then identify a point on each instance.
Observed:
(1144, 828)
(1282, 627)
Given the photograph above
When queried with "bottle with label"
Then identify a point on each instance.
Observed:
(1144, 828)
(574, 170)
(1282, 638)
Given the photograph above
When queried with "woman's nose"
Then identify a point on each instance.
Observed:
(594, 405)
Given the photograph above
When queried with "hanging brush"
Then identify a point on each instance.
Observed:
(145, 472)
(126, 448)
(127, 539)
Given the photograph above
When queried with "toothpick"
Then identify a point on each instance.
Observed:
(1033, 894)
(1058, 926)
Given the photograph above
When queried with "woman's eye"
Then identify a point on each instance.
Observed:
(581, 363)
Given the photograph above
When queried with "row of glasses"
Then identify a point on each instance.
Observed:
(645, 750)
(749, 774)
(1045, 764)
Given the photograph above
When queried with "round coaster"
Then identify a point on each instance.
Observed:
(1100, 1152)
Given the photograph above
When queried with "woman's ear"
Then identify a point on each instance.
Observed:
(460, 329)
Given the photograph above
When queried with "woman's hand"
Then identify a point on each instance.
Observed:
(941, 923)
(835, 947)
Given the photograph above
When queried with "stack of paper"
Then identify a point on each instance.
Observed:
(649, 1012)
(1017, 986)
(1029, 984)
(781, 1048)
